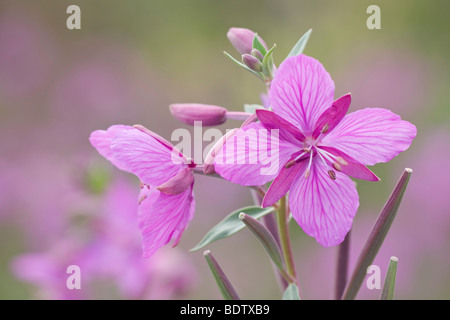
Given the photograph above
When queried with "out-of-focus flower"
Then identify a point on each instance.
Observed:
(27, 55)
(110, 253)
(400, 79)
(319, 147)
(166, 200)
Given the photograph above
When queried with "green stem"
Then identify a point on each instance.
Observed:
(389, 283)
(285, 241)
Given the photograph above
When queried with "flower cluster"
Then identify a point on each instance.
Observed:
(318, 146)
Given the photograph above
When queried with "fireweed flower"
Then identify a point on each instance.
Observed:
(319, 148)
(166, 201)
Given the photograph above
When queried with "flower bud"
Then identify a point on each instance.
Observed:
(188, 113)
(252, 62)
(257, 54)
(242, 39)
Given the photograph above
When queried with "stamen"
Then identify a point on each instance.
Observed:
(294, 161)
(337, 166)
(332, 174)
(308, 170)
(331, 157)
(341, 161)
(307, 173)
(325, 128)
(290, 164)
(142, 199)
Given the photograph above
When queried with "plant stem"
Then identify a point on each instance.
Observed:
(377, 236)
(285, 241)
(342, 266)
(389, 283)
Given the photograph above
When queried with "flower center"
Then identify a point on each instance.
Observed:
(310, 150)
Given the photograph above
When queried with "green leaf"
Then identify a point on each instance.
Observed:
(267, 64)
(251, 108)
(258, 74)
(231, 225)
(258, 45)
(291, 292)
(300, 45)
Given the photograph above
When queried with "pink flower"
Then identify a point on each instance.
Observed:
(319, 147)
(166, 203)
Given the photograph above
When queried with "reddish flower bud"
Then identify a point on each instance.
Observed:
(252, 62)
(209, 115)
(242, 39)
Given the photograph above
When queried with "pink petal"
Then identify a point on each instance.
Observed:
(163, 218)
(353, 168)
(282, 183)
(301, 91)
(146, 157)
(253, 156)
(333, 115)
(371, 135)
(272, 120)
(102, 139)
(180, 182)
(324, 208)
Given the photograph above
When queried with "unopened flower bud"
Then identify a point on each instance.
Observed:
(252, 62)
(242, 39)
(257, 54)
(209, 115)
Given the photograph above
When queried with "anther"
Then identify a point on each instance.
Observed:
(142, 199)
(290, 164)
(332, 174)
(325, 128)
(337, 166)
(341, 161)
(307, 173)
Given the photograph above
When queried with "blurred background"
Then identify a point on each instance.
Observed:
(63, 204)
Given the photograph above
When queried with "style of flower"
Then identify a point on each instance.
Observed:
(166, 201)
(318, 149)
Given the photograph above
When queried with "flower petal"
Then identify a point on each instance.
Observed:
(273, 121)
(163, 218)
(253, 155)
(371, 135)
(324, 208)
(146, 157)
(180, 182)
(352, 167)
(282, 183)
(102, 139)
(333, 115)
(301, 91)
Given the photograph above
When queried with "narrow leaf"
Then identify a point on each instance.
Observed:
(377, 236)
(291, 292)
(389, 282)
(300, 45)
(258, 74)
(342, 266)
(222, 281)
(267, 63)
(265, 237)
(231, 224)
(258, 45)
